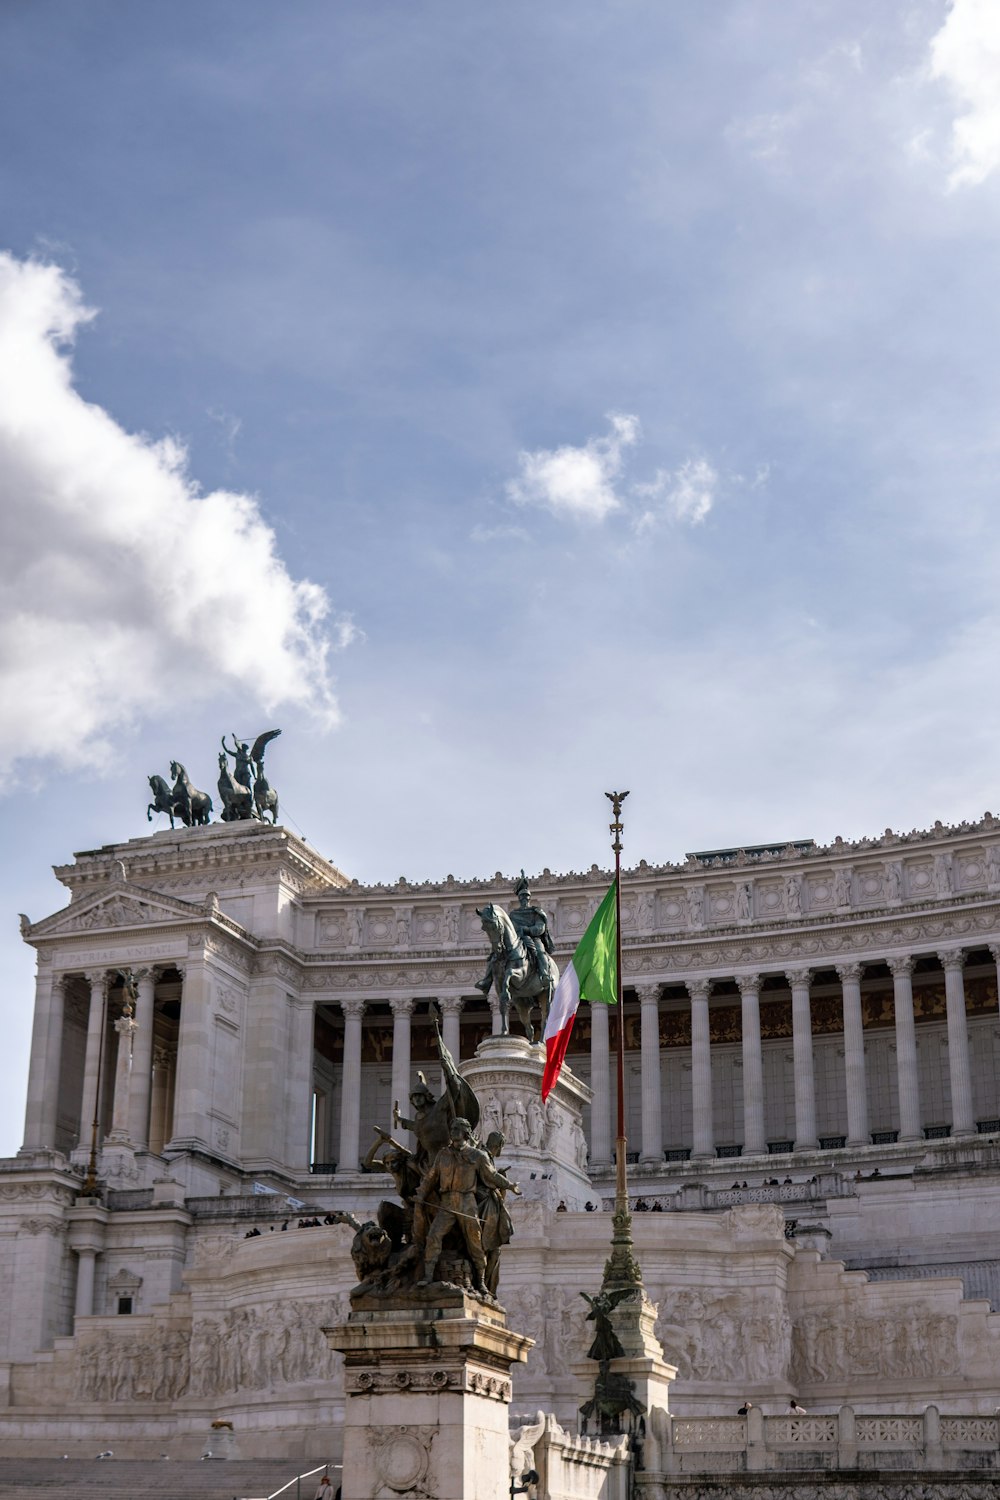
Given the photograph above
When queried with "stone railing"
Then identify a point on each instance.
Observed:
(570, 1467)
(844, 1440)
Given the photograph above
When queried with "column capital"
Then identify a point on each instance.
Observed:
(96, 978)
(952, 958)
(748, 984)
(799, 978)
(902, 964)
(401, 1005)
(849, 973)
(353, 1006)
(649, 994)
(698, 988)
(450, 1005)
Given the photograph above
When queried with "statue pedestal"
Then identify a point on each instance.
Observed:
(427, 1386)
(644, 1366)
(545, 1149)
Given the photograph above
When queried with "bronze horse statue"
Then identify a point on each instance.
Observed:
(163, 799)
(194, 808)
(515, 973)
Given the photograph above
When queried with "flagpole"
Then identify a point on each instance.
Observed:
(622, 1268)
(621, 1179)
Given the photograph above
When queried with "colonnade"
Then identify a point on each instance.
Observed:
(699, 991)
(806, 1139)
(141, 1100)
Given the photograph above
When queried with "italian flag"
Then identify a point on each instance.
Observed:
(591, 974)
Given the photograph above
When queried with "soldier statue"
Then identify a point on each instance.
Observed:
(452, 1222)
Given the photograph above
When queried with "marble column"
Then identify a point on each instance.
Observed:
(192, 1126)
(451, 1024)
(854, 1056)
(959, 1071)
(125, 1027)
(651, 1085)
(907, 1075)
(495, 1016)
(142, 1061)
(702, 1138)
(995, 950)
(348, 1152)
(299, 1090)
(802, 1061)
(159, 1123)
(86, 1263)
(600, 1083)
(92, 1058)
(402, 1009)
(754, 1143)
(45, 1064)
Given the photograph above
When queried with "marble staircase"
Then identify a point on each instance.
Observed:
(123, 1479)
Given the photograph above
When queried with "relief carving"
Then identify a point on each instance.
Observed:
(841, 1346)
(117, 911)
(249, 1348)
(153, 1367)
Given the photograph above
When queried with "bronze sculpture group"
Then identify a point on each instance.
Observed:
(452, 1222)
(245, 791)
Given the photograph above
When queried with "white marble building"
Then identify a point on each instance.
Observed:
(813, 1056)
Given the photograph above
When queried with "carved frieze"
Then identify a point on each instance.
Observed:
(254, 1348)
(117, 1367)
(35, 1192)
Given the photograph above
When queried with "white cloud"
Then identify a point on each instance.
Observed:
(577, 482)
(686, 494)
(498, 534)
(965, 55)
(123, 588)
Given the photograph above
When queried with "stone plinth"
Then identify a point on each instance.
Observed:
(427, 1393)
(643, 1364)
(545, 1147)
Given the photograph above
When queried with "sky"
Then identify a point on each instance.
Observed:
(510, 403)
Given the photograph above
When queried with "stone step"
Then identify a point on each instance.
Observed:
(183, 1479)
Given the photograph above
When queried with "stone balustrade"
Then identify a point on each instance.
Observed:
(841, 1440)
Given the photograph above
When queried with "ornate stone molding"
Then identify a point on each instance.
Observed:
(43, 1224)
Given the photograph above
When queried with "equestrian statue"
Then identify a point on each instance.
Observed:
(520, 964)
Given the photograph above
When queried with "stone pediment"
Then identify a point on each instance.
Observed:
(121, 906)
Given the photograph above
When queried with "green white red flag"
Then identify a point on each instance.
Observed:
(591, 974)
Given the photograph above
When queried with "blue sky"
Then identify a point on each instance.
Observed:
(511, 402)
